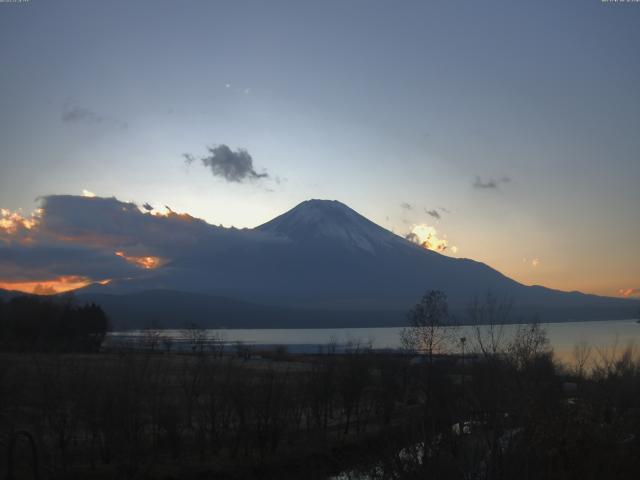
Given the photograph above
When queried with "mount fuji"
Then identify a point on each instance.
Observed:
(323, 264)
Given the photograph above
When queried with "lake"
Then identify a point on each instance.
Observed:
(600, 335)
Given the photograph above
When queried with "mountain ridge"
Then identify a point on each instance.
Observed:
(322, 259)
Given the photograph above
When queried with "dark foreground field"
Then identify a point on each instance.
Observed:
(506, 414)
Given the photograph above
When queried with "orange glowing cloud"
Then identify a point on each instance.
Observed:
(61, 284)
(427, 237)
(12, 222)
(70, 242)
(146, 262)
(630, 292)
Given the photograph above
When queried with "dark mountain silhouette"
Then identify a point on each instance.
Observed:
(323, 264)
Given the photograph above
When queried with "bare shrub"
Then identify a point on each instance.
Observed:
(581, 358)
(529, 342)
(488, 317)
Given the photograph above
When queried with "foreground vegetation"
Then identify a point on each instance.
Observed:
(505, 410)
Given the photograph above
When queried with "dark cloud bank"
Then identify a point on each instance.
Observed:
(80, 236)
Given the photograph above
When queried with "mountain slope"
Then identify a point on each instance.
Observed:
(323, 256)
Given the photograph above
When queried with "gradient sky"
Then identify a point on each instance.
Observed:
(376, 104)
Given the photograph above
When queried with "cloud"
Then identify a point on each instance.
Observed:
(489, 184)
(16, 224)
(406, 206)
(78, 236)
(44, 289)
(51, 259)
(234, 166)
(72, 241)
(109, 222)
(630, 292)
(433, 213)
(534, 262)
(74, 114)
(427, 237)
(49, 287)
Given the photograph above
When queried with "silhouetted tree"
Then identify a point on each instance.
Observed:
(488, 317)
(429, 329)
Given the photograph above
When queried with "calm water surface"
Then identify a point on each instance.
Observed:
(562, 336)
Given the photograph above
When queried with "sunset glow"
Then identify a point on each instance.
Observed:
(146, 262)
(427, 237)
(61, 284)
(175, 215)
(630, 292)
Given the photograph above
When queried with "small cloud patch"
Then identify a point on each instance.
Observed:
(433, 213)
(630, 292)
(490, 183)
(75, 114)
(232, 166)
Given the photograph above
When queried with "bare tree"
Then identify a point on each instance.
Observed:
(604, 363)
(581, 355)
(488, 318)
(191, 380)
(429, 331)
(332, 345)
(151, 339)
(195, 337)
(529, 342)
(217, 344)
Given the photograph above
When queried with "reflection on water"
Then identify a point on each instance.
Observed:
(563, 337)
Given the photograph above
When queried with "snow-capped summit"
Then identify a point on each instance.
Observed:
(330, 221)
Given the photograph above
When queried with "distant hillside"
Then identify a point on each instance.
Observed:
(172, 309)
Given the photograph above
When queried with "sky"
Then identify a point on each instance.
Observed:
(509, 128)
